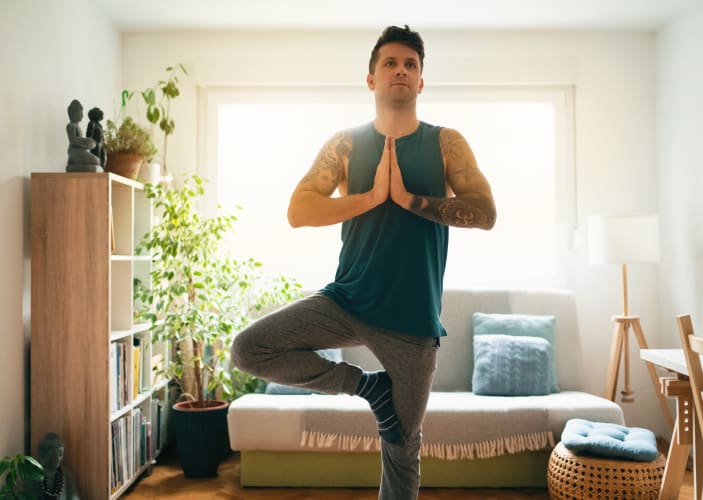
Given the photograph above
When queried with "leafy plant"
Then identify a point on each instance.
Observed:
(200, 297)
(160, 112)
(129, 137)
(19, 470)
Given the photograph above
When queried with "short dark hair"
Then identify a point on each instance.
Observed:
(406, 36)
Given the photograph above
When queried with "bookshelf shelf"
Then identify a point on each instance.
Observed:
(92, 366)
(119, 334)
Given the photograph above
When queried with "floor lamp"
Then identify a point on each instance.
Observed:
(625, 239)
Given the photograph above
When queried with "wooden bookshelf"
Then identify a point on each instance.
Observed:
(84, 231)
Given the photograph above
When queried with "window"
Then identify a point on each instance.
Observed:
(261, 141)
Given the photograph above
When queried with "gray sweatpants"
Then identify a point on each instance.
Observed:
(280, 347)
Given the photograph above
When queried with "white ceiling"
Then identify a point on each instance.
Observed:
(151, 15)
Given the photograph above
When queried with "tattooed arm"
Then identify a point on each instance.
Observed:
(312, 203)
(472, 204)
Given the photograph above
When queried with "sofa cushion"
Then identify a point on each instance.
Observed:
(507, 365)
(610, 440)
(276, 388)
(524, 325)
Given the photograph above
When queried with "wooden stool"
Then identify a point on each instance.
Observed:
(571, 476)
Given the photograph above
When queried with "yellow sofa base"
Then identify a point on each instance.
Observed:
(343, 470)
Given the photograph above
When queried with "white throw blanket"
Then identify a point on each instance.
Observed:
(454, 428)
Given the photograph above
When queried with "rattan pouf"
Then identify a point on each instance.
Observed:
(572, 476)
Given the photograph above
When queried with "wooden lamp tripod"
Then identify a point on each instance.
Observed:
(623, 239)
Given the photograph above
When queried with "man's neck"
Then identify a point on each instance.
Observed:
(396, 123)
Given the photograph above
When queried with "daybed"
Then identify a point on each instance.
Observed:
(469, 440)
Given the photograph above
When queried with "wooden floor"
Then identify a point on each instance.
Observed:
(167, 482)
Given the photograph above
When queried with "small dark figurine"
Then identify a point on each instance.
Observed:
(80, 159)
(58, 481)
(95, 132)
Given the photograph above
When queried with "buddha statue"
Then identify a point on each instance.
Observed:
(58, 483)
(80, 159)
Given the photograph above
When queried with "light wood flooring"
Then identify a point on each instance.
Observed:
(167, 482)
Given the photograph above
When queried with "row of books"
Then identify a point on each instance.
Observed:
(119, 395)
(136, 438)
(141, 378)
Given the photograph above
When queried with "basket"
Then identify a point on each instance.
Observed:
(571, 476)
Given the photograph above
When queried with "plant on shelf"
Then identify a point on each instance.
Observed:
(201, 296)
(160, 112)
(129, 138)
(18, 471)
(127, 144)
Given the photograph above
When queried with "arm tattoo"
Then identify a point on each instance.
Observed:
(473, 206)
(328, 169)
(467, 210)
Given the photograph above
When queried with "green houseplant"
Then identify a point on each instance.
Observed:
(198, 299)
(159, 112)
(127, 146)
(18, 471)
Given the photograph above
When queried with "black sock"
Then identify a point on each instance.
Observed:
(375, 387)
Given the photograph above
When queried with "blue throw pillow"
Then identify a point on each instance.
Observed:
(506, 365)
(275, 388)
(610, 440)
(523, 325)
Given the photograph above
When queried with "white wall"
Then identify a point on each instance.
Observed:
(614, 77)
(50, 53)
(680, 177)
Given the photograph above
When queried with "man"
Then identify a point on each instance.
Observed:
(401, 183)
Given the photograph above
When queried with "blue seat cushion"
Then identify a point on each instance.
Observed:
(610, 440)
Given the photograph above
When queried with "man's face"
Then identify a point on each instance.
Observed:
(397, 74)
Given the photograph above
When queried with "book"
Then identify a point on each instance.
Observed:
(137, 367)
(112, 377)
(119, 374)
(123, 387)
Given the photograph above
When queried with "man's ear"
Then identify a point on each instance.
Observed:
(370, 82)
(422, 86)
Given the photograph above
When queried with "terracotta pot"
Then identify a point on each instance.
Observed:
(126, 165)
(202, 438)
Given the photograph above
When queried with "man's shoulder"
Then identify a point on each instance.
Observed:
(356, 134)
(364, 128)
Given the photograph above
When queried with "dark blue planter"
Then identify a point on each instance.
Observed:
(201, 437)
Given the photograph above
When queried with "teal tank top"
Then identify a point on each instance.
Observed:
(391, 265)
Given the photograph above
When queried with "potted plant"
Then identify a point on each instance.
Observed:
(128, 145)
(19, 471)
(198, 299)
(160, 112)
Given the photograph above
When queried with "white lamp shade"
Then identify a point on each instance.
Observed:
(623, 239)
